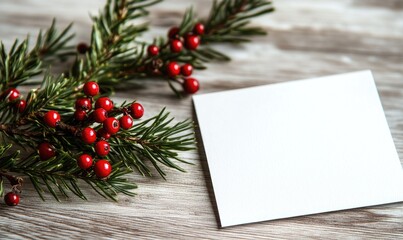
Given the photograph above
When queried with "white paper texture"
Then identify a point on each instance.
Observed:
(298, 148)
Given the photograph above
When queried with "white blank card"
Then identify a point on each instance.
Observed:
(298, 148)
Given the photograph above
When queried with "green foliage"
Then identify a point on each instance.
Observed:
(7, 160)
(21, 64)
(153, 140)
(55, 93)
(1, 187)
(60, 175)
(112, 38)
(229, 20)
(17, 65)
(156, 141)
(7, 113)
(115, 55)
(53, 45)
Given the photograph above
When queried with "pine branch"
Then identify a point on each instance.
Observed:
(17, 65)
(21, 64)
(52, 45)
(61, 175)
(114, 56)
(111, 39)
(155, 140)
(229, 20)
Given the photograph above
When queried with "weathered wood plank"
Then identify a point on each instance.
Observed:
(308, 38)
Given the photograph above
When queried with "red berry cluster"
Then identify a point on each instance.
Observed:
(13, 95)
(108, 127)
(190, 41)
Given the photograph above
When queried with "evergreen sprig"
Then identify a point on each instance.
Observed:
(112, 38)
(153, 142)
(114, 55)
(228, 22)
(21, 63)
(60, 175)
(157, 140)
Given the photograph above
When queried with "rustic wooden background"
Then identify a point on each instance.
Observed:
(307, 38)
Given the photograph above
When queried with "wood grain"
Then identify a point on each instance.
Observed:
(307, 38)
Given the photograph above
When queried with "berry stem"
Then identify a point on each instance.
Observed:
(11, 130)
(16, 182)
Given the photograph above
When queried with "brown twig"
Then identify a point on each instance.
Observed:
(15, 181)
(12, 130)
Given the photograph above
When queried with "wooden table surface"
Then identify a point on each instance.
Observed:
(307, 38)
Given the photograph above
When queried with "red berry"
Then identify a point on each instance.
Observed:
(82, 48)
(192, 41)
(88, 135)
(198, 29)
(126, 122)
(46, 151)
(187, 70)
(80, 115)
(191, 85)
(173, 69)
(83, 104)
(51, 118)
(12, 94)
(176, 46)
(173, 32)
(153, 50)
(105, 103)
(91, 89)
(102, 148)
(99, 115)
(11, 199)
(21, 105)
(111, 125)
(136, 110)
(84, 161)
(102, 168)
(103, 134)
